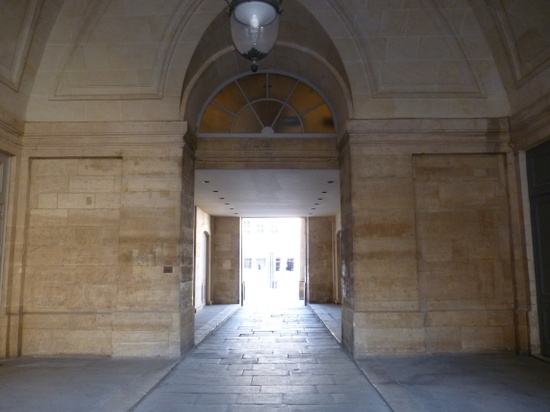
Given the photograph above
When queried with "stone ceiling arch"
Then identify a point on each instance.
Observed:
(304, 50)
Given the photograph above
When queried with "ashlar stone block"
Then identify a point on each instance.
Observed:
(99, 167)
(76, 201)
(49, 184)
(54, 167)
(443, 339)
(93, 184)
(389, 341)
(95, 217)
(82, 342)
(47, 217)
(47, 201)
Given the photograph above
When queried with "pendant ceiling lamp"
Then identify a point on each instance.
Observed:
(254, 27)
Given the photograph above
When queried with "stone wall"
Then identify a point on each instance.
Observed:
(321, 253)
(202, 258)
(98, 250)
(431, 266)
(384, 255)
(186, 247)
(464, 261)
(72, 270)
(225, 260)
(10, 287)
(346, 266)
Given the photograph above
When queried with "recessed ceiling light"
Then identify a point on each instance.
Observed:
(215, 191)
(222, 198)
(330, 182)
(206, 181)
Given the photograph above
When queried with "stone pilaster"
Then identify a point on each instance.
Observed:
(187, 309)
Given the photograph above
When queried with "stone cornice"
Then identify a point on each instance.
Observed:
(432, 135)
(11, 132)
(70, 134)
(11, 124)
(439, 126)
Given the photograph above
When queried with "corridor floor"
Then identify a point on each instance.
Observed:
(266, 360)
(280, 359)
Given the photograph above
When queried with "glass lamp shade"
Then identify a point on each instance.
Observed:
(254, 28)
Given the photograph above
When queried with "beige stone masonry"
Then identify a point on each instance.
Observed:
(261, 153)
(320, 281)
(102, 226)
(432, 239)
(203, 259)
(225, 263)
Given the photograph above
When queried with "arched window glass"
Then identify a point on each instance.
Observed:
(267, 104)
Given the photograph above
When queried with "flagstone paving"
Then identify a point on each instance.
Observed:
(266, 359)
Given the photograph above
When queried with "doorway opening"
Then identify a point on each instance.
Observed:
(538, 167)
(273, 261)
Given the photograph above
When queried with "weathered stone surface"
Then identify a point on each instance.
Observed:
(85, 255)
(321, 259)
(225, 262)
(463, 252)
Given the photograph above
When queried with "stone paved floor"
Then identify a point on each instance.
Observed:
(459, 383)
(280, 359)
(211, 317)
(275, 360)
(77, 384)
(331, 315)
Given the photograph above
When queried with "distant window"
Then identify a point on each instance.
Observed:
(260, 263)
(290, 264)
(278, 264)
(248, 263)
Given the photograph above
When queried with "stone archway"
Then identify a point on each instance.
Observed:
(215, 64)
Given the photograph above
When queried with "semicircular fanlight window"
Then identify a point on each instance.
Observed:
(267, 104)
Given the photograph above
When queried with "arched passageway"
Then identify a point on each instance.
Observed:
(435, 106)
(266, 146)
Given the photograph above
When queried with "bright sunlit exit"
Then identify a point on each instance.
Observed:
(272, 261)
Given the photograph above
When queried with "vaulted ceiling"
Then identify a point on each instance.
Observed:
(377, 58)
(145, 60)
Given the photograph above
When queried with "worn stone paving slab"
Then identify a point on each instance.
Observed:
(277, 359)
(73, 384)
(456, 383)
